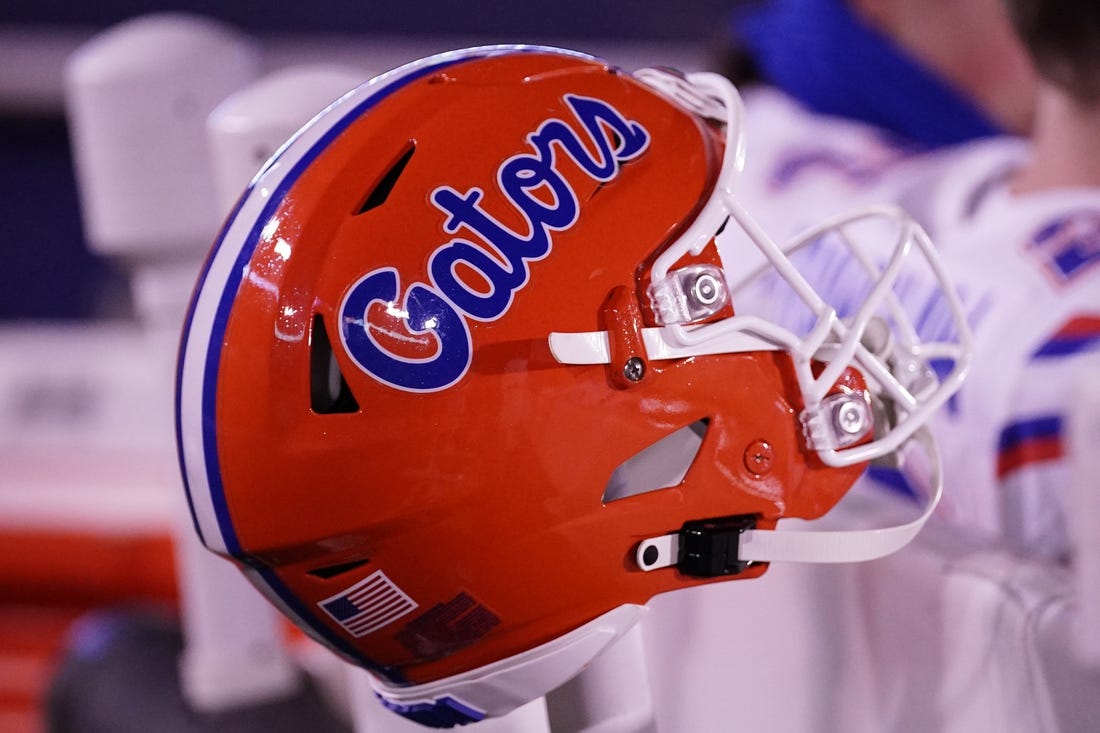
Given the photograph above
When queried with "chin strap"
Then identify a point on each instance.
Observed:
(728, 545)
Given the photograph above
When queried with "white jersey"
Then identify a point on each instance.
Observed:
(1027, 268)
(801, 167)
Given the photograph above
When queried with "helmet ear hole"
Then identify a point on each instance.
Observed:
(661, 465)
(328, 390)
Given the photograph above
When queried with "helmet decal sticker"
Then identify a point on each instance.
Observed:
(367, 606)
(1068, 246)
(447, 627)
(439, 312)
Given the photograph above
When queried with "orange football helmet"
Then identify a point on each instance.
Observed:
(463, 386)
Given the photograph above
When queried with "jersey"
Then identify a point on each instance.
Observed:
(801, 167)
(1027, 269)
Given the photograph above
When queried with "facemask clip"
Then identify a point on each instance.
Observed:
(841, 420)
(689, 294)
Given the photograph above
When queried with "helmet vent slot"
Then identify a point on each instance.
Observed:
(328, 390)
(660, 465)
(384, 187)
(331, 571)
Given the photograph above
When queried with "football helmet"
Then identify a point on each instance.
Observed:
(463, 386)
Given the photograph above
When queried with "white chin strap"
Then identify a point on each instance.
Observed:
(815, 546)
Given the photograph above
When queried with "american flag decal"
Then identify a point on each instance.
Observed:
(368, 605)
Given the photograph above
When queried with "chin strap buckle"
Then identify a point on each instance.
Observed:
(704, 548)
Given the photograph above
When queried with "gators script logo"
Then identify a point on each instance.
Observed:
(437, 313)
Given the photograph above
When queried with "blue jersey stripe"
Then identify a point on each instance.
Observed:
(1068, 345)
(1017, 433)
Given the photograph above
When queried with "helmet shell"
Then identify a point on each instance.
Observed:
(489, 198)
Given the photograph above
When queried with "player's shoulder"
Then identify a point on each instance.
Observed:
(791, 145)
(947, 188)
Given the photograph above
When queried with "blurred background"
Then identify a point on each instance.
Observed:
(98, 561)
(86, 488)
(49, 273)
